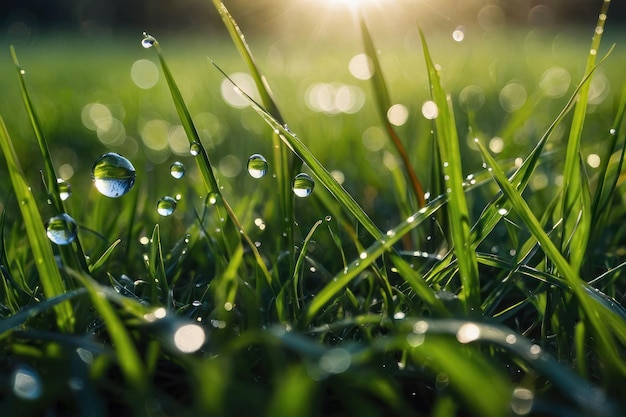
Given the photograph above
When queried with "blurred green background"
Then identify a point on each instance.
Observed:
(509, 66)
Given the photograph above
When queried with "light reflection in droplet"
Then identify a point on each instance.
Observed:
(468, 333)
(189, 338)
(398, 114)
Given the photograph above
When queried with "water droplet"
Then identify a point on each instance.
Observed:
(511, 339)
(420, 327)
(113, 175)
(328, 218)
(458, 35)
(26, 383)
(302, 185)
(65, 189)
(522, 401)
(363, 255)
(177, 170)
(196, 303)
(189, 338)
(61, 229)
(612, 131)
(430, 110)
(213, 198)
(468, 333)
(535, 351)
(166, 206)
(257, 166)
(148, 41)
(503, 212)
(194, 149)
(335, 361)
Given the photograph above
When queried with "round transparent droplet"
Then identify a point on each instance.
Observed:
(26, 384)
(177, 170)
(302, 185)
(113, 175)
(194, 149)
(61, 229)
(65, 189)
(166, 206)
(148, 41)
(257, 166)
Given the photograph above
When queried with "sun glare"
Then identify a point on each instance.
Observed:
(350, 4)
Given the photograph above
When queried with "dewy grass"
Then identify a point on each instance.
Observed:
(198, 315)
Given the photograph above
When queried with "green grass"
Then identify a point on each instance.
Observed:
(499, 292)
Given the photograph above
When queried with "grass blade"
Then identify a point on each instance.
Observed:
(19, 318)
(202, 159)
(375, 251)
(576, 211)
(383, 103)
(72, 255)
(129, 360)
(458, 213)
(593, 310)
(49, 275)
(285, 167)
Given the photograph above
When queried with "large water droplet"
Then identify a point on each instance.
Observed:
(26, 383)
(194, 149)
(302, 185)
(113, 175)
(61, 229)
(257, 166)
(65, 189)
(148, 41)
(177, 170)
(522, 401)
(166, 206)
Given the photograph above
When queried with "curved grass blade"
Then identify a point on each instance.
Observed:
(458, 213)
(19, 318)
(383, 103)
(602, 321)
(295, 280)
(49, 275)
(587, 396)
(576, 208)
(129, 360)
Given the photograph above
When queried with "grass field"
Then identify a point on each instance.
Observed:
(459, 254)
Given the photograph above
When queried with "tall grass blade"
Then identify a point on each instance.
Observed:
(383, 103)
(609, 173)
(284, 166)
(346, 201)
(458, 213)
(49, 275)
(72, 255)
(202, 159)
(604, 322)
(576, 211)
